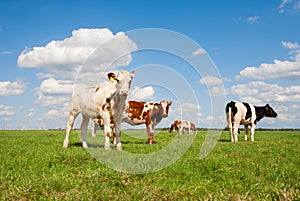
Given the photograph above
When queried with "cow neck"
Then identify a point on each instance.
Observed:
(259, 113)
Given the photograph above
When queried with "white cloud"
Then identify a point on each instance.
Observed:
(252, 19)
(87, 50)
(211, 81)
(278, 69)
(53, 86)
(54, 113)
(289, 4)
(6, 110)
(145, 93)
(290, 45)
(214, 84)
(264, 92)
(31, 112)
(282, 5)
(8, 88)
(199, 52)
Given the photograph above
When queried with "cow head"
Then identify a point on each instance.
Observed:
(165, 105)
(174, 126)
(123, 79)
(269, 112)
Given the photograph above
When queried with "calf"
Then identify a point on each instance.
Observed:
(181, 125)
(106, 103)
(244, 113)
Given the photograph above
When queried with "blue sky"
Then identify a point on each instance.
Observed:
(253, 45)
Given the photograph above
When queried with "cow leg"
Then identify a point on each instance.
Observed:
(150, 133)
(117, 132)
(107, 129)
(84, 125)
(180, 130)
(72, 116)
(234, 136)
(114, 134)
(94, 129)
(246, 132)
(252, 132)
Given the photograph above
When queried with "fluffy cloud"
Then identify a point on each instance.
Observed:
(6, 110)
(8, 88)
(214, 84)
(53, 86)
(211, 80)
(145, 93)
(278, 69)
(260, 91)
(87, 50)
(290, 45)
(199, 52)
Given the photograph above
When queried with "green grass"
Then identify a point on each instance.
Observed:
(34, 166)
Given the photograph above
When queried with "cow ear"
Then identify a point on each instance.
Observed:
(169, 103)
(267, 106)
(132, 73)
(112, 77)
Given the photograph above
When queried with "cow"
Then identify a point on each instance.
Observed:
(106, 102)
(148, 113)
(137, 113)
(181, 125)
(244, 113)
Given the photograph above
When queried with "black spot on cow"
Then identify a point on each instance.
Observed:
(248, 113)
(233, 108)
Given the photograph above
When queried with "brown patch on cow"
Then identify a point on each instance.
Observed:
(135, 109)
(108, 134)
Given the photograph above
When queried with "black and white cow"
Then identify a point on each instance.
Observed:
(244, 113)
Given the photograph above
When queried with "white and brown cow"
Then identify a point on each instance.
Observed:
(106, 102)
(181, 125)
(149, 113)
(137, 113)
(244, 113)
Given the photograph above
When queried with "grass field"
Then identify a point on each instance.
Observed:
(34, 166)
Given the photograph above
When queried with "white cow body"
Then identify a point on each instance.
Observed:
(106, 102)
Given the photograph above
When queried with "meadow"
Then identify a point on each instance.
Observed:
(34, 166)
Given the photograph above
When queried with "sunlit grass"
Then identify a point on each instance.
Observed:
(34, 166)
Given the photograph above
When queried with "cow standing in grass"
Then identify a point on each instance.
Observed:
(244, 113)
(137, 113)
(106, 103)
(181, 125)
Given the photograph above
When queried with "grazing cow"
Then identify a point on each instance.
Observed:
(137, 113)
(181, 125)
(106, 103)
(244, 113)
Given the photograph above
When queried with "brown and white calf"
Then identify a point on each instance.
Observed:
(148, 113)
(181, 125)
(106, 103)
(244, 113)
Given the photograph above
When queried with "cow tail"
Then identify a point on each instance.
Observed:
(229, 116)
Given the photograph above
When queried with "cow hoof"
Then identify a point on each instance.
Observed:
(119, 147)
(84, 144)
(65, 145)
